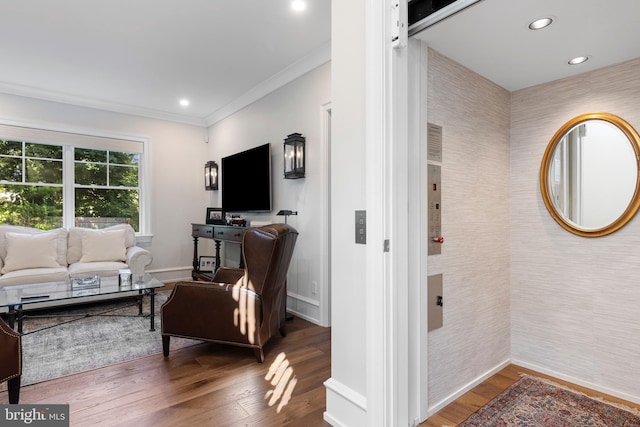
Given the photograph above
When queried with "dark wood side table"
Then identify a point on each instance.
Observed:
(219, 234)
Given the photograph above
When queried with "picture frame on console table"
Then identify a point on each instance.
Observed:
(206, 264)
(215, 216)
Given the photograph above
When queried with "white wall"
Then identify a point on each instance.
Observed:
(296, 107)
(474, 339)
(177, 154)
(575, 300)
(346, 389)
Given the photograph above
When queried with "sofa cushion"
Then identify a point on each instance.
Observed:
(75, 250)
(30, 251)
(104, 269)
(34, 275)
(103, 245)
(61, 241)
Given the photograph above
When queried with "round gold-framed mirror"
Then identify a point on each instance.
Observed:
(590, 174)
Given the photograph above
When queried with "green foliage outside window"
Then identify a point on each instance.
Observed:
(106, 189)
(31, 206)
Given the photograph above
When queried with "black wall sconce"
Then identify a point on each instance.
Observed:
(211, 176)
(294, 156)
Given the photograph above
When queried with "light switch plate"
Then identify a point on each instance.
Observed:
(361, 227)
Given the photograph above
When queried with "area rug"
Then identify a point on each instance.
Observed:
(534, 402)
(84, 343)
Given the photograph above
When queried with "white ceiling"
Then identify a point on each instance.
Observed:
(492, 38)
(142, 56)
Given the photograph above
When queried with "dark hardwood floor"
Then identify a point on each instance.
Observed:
(202, 385)
(216, 385)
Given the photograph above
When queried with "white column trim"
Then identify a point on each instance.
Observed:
(378, 393)
(325, 214)
(387, 347)
(417, 254)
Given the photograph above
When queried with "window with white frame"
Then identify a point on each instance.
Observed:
(51, 179)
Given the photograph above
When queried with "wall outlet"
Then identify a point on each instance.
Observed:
(314, 287)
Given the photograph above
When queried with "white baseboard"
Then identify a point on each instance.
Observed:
(453, 396)
(577, 381)
(303, 316)
(345, 406)
(328, 418)
(166, 275)
(306, 300)
(304, 307)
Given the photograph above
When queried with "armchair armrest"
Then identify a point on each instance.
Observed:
(10, 360)
(137, 259)
(228, 275)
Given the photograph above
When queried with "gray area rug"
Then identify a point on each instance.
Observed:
(87, 343)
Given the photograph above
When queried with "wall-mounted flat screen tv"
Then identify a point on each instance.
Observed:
(246, 180)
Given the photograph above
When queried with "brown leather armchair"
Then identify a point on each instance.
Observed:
(243, 307)
(10, 360)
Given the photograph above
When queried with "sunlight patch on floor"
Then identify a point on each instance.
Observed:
(281, 376)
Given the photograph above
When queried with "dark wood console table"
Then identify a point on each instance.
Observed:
(219, 234)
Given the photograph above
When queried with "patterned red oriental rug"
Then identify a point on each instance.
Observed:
(535, 402)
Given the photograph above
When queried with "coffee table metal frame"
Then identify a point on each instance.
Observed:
(15, 298)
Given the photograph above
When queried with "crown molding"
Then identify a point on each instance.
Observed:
(63, 98)
(292, 72)
(299, 68)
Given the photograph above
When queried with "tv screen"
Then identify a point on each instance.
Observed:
(246, 180)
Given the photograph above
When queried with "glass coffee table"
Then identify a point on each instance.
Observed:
(21, 298)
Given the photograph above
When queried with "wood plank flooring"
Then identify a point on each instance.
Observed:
(215, 385)
(202, 385)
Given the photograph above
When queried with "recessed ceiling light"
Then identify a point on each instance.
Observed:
(184, 102)
(578, 60)
(541, 23)
(298, 5)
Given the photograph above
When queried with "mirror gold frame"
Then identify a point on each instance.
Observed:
(634, 203)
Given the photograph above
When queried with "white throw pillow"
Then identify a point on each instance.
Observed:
(30, 251)
(103, 245)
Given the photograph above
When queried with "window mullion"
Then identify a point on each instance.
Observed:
(24, 163)
(68, 190)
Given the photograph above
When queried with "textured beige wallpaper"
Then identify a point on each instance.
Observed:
(475, 118)
(575, 301)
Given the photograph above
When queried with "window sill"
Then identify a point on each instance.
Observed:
(144, 239)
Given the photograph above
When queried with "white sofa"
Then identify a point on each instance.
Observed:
(28, 255)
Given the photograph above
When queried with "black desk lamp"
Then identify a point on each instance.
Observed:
(286, 213)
